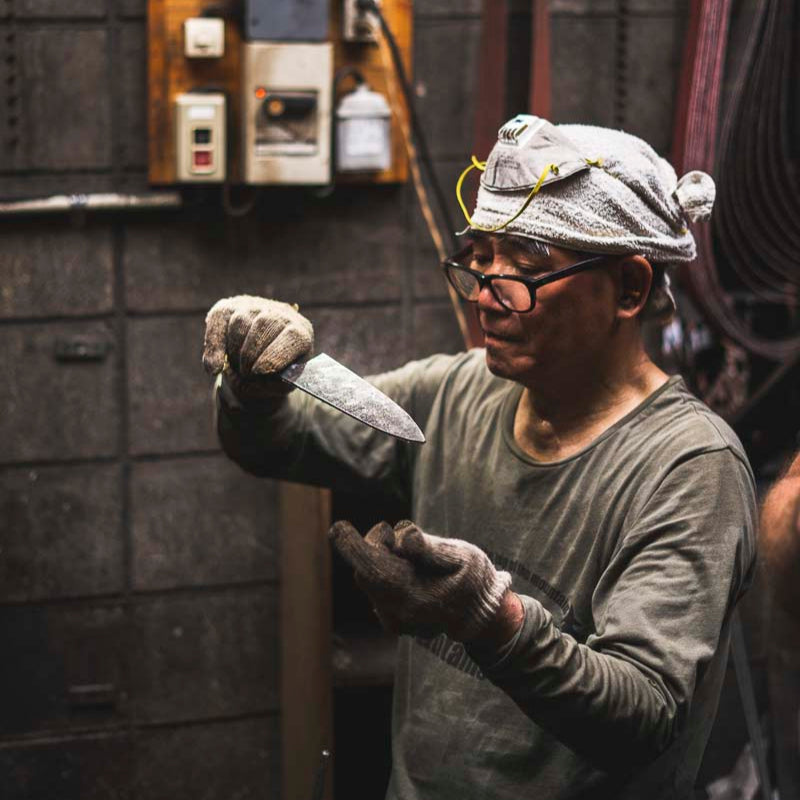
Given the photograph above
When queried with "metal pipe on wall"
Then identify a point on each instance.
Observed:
(92, 202)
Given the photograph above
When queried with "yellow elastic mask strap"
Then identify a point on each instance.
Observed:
(481, 165)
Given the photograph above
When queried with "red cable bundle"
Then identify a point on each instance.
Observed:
(757, 217)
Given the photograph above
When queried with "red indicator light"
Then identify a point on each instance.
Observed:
(261, 92)
(202, 158)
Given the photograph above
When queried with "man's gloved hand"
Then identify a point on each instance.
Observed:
(423, 584)
(251, 338)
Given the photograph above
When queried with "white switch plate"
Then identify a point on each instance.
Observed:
(200, 144)
(203, 37)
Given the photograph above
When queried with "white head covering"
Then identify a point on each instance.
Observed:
(590, 189)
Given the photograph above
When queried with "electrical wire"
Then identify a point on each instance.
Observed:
(757, 210)
(404, 111)
(233, 210)
(416, 127)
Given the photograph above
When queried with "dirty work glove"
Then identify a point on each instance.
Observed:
(251, 338)
(423, 584)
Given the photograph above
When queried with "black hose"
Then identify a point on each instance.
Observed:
(416, 127)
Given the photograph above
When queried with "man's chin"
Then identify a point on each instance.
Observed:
(499, 366)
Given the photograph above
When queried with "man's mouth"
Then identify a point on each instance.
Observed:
(499, 337)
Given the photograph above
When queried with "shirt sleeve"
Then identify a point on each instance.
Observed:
(658, 610)
(307, 441)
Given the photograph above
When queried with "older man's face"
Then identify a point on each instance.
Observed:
(569, 329)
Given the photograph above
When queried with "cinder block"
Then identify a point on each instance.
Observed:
(66, 104)
(55, 270)
(186, 264)
(445, 78)
(63, 667)
(63, 532)
(52, 409)
(134, 180)
(206, 656)
(428, 279)
(16, 187)
(366, 340)
(445, 8)
(583, 7)
(58, 9)
(659, 7)
(169, 392)
(95, 767)
(202, 521)
(583, 70)
(215, 761)
(361, 240)
(653, 73)
(436, 331)
(132, 8)
(132, 95)
(345, 248)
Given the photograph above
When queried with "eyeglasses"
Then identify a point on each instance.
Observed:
(513, 292)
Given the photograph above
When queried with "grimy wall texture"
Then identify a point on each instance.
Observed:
(138, 580)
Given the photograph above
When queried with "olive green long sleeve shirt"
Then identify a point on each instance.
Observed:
(628, 556)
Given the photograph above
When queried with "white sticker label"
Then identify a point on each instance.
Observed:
(365, 137)
(201, 112)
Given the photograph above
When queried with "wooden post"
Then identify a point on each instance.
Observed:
(305, 637)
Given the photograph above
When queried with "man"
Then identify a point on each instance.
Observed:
(780, 542)
(582, 526)
(780, 536)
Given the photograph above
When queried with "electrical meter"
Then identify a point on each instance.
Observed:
(200, 137)
(287, 112)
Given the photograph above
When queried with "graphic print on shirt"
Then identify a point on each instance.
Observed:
(556, 602)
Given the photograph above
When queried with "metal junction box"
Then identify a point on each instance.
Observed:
(286, 20)
(287, 112)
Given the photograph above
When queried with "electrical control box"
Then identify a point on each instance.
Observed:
(278, 102)
(200, 146)
(287, 112)
(286, 20)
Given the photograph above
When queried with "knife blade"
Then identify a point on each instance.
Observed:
(326, 379)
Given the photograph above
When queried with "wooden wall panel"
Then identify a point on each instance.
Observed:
(170, 73)
(306, 633)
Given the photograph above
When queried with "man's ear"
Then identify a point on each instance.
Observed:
(635, 276)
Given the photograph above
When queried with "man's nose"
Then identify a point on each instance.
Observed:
(488, 302)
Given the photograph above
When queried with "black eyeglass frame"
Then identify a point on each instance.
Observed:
(532, 284)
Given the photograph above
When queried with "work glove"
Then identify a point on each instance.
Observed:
(421, 584)
(250, 339)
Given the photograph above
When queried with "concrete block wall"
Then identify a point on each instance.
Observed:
(138, 577)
